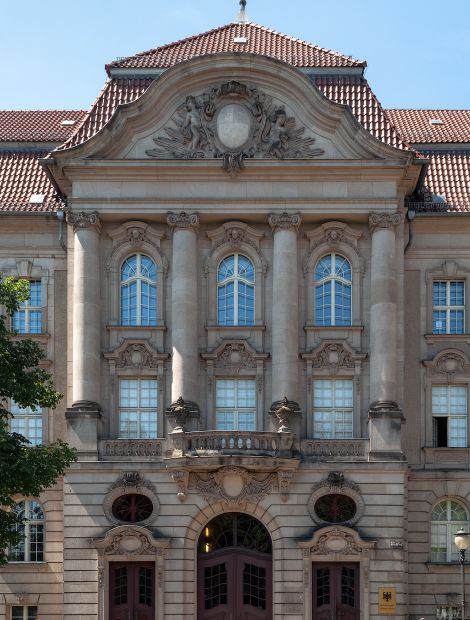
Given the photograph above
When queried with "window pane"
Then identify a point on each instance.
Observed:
(333, 409)
(138, 408)
(323, 268)
(245, 268)
(226, 268)
(342, 267)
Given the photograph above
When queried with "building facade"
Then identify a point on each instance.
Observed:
(251, 284)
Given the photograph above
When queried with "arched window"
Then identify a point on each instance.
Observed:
(31, 546)
(446, 519)
(138, 291)
(236, 291)
(333, 279)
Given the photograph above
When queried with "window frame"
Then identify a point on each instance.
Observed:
(28, 414)
(333, 409)
(27, 532)
(27, 309)
(448, 415)
(236, 279)
(139, 409)
(447, 271)
(452, 554)
(334, 280)
(448, 307)
(26, 615)
(139, 279)
(237, 410)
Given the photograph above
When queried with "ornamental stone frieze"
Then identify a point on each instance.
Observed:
(383, 220)
(334, 356)
(135, 354)
(233, 122)
(183, 220)
(132, 481)
(284, 221)
(337, 540)
(84, 219)
(131, 541)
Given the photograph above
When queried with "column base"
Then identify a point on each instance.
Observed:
(84, 423)
(385, 420)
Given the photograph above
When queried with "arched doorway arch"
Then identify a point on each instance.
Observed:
(234, 554)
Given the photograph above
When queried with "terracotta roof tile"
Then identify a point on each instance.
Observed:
(38, 125)
(355, 92)
(114, 93)
(449, 176)
(21, 176)
(416, 125)
(261, 40)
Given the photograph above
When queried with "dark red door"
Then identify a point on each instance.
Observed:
(235, 585)
(131, 591)
(336, 591)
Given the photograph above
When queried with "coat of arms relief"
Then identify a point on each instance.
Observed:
(233, 122)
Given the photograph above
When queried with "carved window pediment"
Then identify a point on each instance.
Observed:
(332, 236)
(131, 541)
(334, 356)
(448, 364)
(337, 541)
(136, 235)
(235, 236)
(135, 355)
(234, 357)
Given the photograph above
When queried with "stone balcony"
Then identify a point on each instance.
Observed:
(220, 444)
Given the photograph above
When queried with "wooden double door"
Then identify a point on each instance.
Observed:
(131, 591)
(235, 585)
(335, 591)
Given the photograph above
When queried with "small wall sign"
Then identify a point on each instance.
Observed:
(387, 600)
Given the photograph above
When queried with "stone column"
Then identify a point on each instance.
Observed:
(184, 314)
(285, 309)
(385, 417)
(84, 414)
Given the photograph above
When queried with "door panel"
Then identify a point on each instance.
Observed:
(336, 591)
(131, 591)
(234, 585)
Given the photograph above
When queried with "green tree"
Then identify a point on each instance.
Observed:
(25, 470)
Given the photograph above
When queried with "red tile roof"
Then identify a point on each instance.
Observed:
(38, 125)
(20, 177)
(449, 176)
(261, 40)
(114, 93)
(416, 125)
(355, 92)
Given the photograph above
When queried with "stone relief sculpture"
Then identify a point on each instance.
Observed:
(233, 122)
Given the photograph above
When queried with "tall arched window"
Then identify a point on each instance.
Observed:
(31, 546)
(138, 291)
(446, 519)
(236, 291)
(333, 281)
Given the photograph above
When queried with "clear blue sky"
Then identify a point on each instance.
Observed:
(53, 52)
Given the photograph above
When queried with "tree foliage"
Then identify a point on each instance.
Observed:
(25, 470)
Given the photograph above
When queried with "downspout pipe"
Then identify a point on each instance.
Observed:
(410, 216)
(61, 198)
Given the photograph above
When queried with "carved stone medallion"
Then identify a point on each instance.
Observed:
(233, 485)
(233, 122)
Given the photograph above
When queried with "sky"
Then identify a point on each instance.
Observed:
(52, 53)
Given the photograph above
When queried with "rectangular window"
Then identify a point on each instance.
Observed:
(20, 612)
(27, 422)
(235, 404)
(28, 319)
(449, 411)
(449, 612)
(333, 409)
(448, 301)
(138, 408)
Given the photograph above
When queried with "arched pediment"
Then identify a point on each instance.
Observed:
(131, 540)
(335, 540)
(231, 107)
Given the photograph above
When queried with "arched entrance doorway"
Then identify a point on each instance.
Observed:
(234, 569)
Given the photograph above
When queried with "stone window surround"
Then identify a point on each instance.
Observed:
(29, 269)
(449, 270)
(435, 501)
(135, 359)
(130, 543)
(134, 237)
(448, 367)
(248, 364)
(347, 488)
(338, 238)
(334, 359)
(235, 237)
(15, 564)
(337, 543)
(139, 486)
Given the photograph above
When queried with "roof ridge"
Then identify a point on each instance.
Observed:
(193, 37)
(46, 110)
(429, 109)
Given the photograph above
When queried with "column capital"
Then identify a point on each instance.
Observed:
(183, 220)
(284, 221)
(383, 220)
(84, 219)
